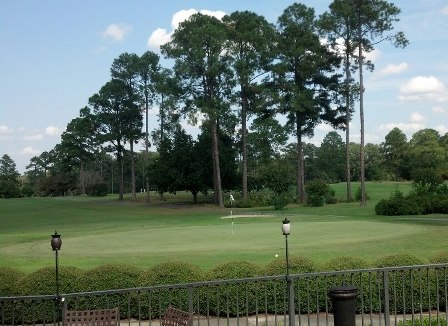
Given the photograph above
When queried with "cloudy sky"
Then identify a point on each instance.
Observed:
(55, 54)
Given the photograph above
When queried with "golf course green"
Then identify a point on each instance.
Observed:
(97, 231)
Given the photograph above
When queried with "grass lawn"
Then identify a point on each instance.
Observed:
(97, 231)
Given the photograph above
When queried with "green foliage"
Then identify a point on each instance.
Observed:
(319, 193)
(97, 189)
(358, 195)
(168, 273)
(43, 281)
(246, 292)
(279, 201)
(425, 321)
(423, 199)
(9, 278)
(440, 258)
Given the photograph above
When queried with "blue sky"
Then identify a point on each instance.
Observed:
(56, 54)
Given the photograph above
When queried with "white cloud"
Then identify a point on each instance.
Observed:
(34, 137)
(423, 88)
(417, 117)
(393, 69)
(442, 129)
(5, 130)
(445, 10)
(30, 151)
(439, 110)
(161, 36)
(406, 127)
(52, 131)
(374, 55)
(116, 32)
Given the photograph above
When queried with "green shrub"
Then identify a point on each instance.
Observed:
(319, 193)
(440, 258)
(231, 298)
(168, 273)
(97, 189)
(398, 206)
(404, 285)
(425, 321)
(108, 277)
(280, 201)
(9, 278)
(275, 290)
(41, 282)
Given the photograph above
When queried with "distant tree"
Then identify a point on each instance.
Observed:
(9, 178)
(395, 150)
(126, 68)
(115, 113)
(330, 158)
(251, 48)
(375, 18)
(201, 62)
(375, 169)
(305, 78)
(148, 71)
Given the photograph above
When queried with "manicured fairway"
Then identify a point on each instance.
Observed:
(100, 231)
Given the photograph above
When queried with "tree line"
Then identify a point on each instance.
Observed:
(242, 76)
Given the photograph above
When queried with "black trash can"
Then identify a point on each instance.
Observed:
(343, 299)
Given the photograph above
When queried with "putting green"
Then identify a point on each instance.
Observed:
(254, 239)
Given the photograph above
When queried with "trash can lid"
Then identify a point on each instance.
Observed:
(347, 291)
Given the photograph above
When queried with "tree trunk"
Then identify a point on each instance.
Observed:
(218, 199)
(361, 114)
(82, 183)
(148, 198)
(133, 192)
(244, 140)
(300, 191)
(121, 184)
(347, 126)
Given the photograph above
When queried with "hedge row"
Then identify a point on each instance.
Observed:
(234, 298)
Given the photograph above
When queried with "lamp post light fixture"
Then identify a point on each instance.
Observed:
(56, 243)
(286, 230)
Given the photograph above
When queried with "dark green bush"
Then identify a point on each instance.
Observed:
(9, 278)
(276, 290)
(97, 189)
(440, 258)
(319, 193)
(425, 321)
(398, 206)
(235, 294)
(280, 201)
(43, 281)
(109, 277)
(404, 285)
(168, 273)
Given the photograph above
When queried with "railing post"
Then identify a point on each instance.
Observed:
(343, 299)
(291, 305)
(190, 304)
(386, 298)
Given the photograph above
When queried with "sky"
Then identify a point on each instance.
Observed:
(55, 54)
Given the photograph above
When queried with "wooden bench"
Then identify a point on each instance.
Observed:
(175, 317)
(100, 317)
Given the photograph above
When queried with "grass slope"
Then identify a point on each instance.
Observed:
(98, 231)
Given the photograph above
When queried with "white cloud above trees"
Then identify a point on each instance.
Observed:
(423, 88)
(116, 32)
(161, 36)
(30, 151)
(393, 69)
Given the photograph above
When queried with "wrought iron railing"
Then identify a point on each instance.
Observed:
(386, 296)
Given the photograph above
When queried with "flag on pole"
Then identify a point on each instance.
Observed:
(232, 200)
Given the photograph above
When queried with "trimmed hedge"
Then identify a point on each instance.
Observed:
(168, 273)
(9, 278)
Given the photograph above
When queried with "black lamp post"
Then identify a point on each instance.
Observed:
(286, 229)
(56, 243)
